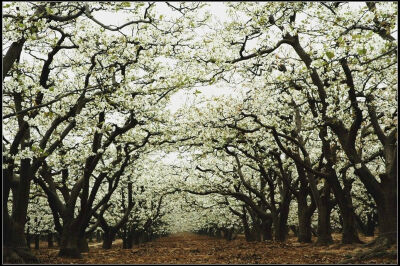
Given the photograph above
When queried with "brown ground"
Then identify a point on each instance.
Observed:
(187, 248)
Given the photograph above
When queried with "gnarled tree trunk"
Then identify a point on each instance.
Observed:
(108, 239)
(304, 215)
(15, 249)
(324, 219)
(387, 212)
(72, 242)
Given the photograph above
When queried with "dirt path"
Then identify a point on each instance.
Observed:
(116, 242)
(188, 248)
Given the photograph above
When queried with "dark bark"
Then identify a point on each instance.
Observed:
(98, 236)
(304, 215)
(387, 212)
(246, 228)
(15, 248)
(90, 237)
(58, 239)
(69, 246)
(83, 244)
(342, 195)
(247, 234)
(281, 227)
(12, 55)
(294, 230)
(28, 237)
(19, 256)
(385, 192)
(109, 230)
(124, 242)
(28, 240)
(108, 239)
(50, 242)
(320, 203)
(37, 238)
(324, 224)
(228, 233)
(266, 227)
(314, 231)
(349, 232)
(343, 198)
(72, 246)
(368, 228)
(129, 240)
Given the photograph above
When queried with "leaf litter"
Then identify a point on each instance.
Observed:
(188, 248)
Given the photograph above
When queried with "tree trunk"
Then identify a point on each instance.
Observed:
(281, 229)
(314, 231)
(108, 239)
(294, 230)
(304, 231)
(136, 239)
(58, 238)
(228, 232)
(107, 242)
(15, 249)
(83, 244)
(50, 243)
(266, 227)
(324, 225)
(69, 246)
(125, 243)
(129, 240)
(246, 228)
(256, 231)
(218, 233)
(387, 213)
(370, 226)
(98, 236)
(37, 237)
(349, 233)
(304, 213)
(384, 192)
(28, 239)
(343, 198)
(90, 237)
(247, 233)
(12, 55)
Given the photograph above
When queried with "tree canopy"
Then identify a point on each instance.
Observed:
(300, 129)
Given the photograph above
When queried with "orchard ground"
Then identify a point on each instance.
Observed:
(188, 248)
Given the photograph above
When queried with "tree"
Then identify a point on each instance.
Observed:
(323, 75)
(80, 67)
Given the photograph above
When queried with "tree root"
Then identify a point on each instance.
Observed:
(379, 249)
(19, 256)
(372, 243)
(70, 253)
